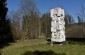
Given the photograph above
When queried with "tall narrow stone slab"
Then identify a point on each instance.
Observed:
(57, 25)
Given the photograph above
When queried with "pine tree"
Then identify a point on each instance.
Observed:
(5, 29)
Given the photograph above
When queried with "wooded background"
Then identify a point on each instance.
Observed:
(28, 23)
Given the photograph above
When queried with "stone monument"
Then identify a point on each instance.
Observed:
(57, 25)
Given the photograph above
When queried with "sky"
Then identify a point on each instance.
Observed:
(70, 6)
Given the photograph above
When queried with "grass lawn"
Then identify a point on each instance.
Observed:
(40, 47)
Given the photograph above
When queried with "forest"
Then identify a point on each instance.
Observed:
(25, 31)
(28, 23)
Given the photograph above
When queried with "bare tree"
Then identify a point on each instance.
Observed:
(27, 6)
(81, 14)
(46, 25)
(69, 20)
(30, 19)
(15, 23)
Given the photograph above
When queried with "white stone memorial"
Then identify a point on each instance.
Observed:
(57, 25)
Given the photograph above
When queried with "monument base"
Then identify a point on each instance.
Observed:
(57, 40)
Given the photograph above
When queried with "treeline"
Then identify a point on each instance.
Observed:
(31, 26)
(27, 23)
(75, 30)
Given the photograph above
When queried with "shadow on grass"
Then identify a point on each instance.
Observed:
(0, 52)
(80, 41)
(43, 53)
(3, 45)
(76, 39)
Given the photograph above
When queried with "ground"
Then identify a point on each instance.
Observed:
(40, 47)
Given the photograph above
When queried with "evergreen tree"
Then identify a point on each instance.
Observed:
(5, 28)
(79, 20)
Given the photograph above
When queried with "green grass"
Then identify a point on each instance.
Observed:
(40, 46)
